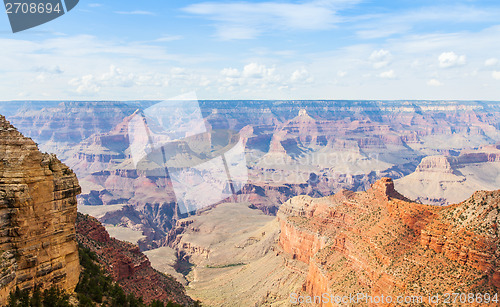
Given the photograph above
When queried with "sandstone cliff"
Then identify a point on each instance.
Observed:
(443, 180)
(128, 265)
(37, 217)
(377, 242)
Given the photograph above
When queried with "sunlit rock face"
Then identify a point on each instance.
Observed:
(127, 265)
(37, 217)
(443, 180)
(378, 242)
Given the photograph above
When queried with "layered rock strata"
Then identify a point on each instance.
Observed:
(379, 243)
(37, 217)
(444, 180)
(128, 265)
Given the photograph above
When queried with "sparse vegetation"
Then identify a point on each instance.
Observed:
(95, 288)
(225, 265)
(53, 297)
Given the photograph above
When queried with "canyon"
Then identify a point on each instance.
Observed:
(442, 180)
(37, 216)
(291, 148)
(127, 265)
(376, 242)
(312, 210)
(41, 231)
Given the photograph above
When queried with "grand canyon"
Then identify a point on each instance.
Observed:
(255, 203)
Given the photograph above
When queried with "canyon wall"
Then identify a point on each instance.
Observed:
(443, 180)
(37, 217)
(379, 243)
(291, 148)
(127, 265)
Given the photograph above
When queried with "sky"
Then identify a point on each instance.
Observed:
(318, 49)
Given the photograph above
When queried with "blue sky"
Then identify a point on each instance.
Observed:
(343, 49)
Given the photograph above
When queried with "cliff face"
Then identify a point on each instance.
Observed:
(377, 242)
(37, 217)
(58, 128)
(128, 265)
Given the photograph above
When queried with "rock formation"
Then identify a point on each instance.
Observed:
(443, 180)
(128, 265)
(37, 217)
(58, 128)
(379, 243)
(292, 148)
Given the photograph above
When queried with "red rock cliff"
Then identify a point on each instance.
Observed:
(37, 217)
(128, 265)
(377, 242)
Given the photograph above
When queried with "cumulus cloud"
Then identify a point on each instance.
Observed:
(390, 74)
(114, 77)
(491, 62)
(434, 82)
(496, 75)
(254, 70)
(380, 58)
(85, 85)
(301, 75)
(450, 59)
(230, 72)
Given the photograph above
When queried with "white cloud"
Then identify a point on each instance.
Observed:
(341, 73)
(491, 62)
(85, 85)
(390, 74)
(380, 58)
(138, 12)
(301, 75)
(382, 25)
(230, 72)
(168, 38)
(496, 75)
(434, 82)
(49, 69)
(245, 20)
(451, 59)
(117, 78)
(95, 4)
(254, 70)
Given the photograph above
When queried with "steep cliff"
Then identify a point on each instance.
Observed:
(37, 217)
(444, 180)
(379, 243)
(128, 265)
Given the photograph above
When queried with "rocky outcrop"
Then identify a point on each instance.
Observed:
(37, 217)
(439, 164)
(443, 180)
(377, 242)
(128, 265)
